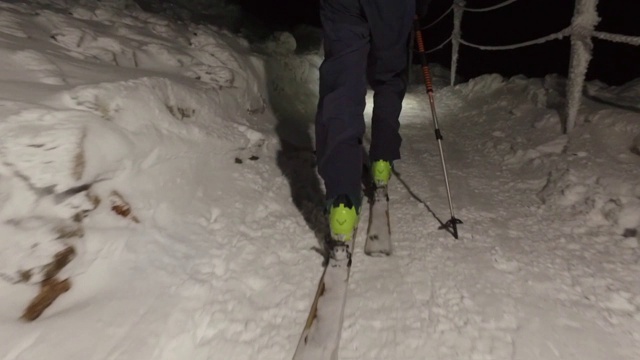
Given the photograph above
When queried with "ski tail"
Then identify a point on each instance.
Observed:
(378, 242)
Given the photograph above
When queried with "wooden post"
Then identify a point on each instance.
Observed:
(585, 19)
(458, 10)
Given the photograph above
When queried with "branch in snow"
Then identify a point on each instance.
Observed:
(121, 207)
(38, 248)
(50, 290)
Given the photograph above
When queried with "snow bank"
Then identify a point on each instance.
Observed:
(596, 201)
(604, 136)
(606, 199)
(144, 176)
(120, 92)
(627, 95)
(292, 79)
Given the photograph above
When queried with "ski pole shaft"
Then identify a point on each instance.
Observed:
(428, 82)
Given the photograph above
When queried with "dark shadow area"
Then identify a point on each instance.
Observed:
(449, 226)
(294, 107)
(612, 63)
(415, 196)
(297, 161)
(230, 15)
(298, 164)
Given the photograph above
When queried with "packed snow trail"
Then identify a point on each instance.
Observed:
(514, 286)
(221, 261)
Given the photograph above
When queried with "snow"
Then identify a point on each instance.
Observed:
(177, 161)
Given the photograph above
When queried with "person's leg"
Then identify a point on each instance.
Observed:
(390, 22)
(343, 85)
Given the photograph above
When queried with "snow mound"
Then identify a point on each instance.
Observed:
(552, 147)
(292, 80)
(598, 201)
(482, 85)
(37, 247)
(61, 149)
(106, 101)
(279, 43)
(627, 95)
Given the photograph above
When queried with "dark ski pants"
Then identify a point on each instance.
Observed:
(365, 43)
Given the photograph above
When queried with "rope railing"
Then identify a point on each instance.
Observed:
(627, 39)
(556, 36)
(498, 6)
(439, 46)
(581, 31)
(568, 31)
(438, 19)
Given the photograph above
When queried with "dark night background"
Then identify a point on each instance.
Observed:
(612, 63)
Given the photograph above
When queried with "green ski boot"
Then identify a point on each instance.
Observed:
(343, 219)
(381, 171)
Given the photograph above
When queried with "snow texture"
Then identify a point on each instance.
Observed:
(176, 160)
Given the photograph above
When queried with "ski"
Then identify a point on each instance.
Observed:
(320, 339)
(378, 242)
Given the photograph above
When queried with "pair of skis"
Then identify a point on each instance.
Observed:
(320, 337)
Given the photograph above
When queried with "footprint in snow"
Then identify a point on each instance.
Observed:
(461, 331)
(503, 264)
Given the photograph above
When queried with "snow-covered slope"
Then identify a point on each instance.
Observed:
(163, 175)
(141, 136)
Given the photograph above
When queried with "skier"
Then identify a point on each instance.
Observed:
(364, 41)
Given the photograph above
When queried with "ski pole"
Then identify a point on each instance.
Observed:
(452, 224)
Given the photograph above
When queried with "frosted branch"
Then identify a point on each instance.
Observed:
(559, 35)
(498, 6)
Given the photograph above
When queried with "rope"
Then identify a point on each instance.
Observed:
(633, 40)
(438, 19)
(491, 7)
(439, 46)
(559, 35)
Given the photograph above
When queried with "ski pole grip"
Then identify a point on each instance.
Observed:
(422, 55)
